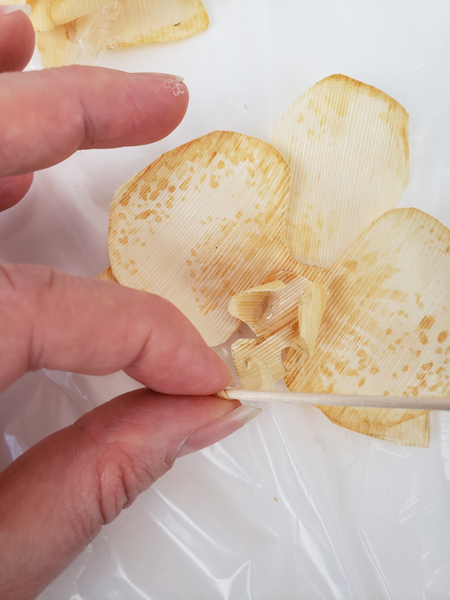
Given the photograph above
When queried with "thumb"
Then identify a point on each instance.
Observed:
(56, 497)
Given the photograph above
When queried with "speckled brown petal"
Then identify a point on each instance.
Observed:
(203, 222)
(258, 362)
(347, 145)
(41, 15)
(411, 430)
(386, 325)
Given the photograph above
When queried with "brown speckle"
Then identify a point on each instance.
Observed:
(423, 338)
(427, 366)
(427, 322)
(442, 337)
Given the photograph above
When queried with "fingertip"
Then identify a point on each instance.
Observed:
(17, 40)
(13, 189)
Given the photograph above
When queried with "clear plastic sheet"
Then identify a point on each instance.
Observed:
(91, 33)
(290, 506)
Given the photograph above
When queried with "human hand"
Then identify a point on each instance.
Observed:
(55, 498)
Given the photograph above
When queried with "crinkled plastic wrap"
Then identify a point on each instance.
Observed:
(91, 33)
(291, 506)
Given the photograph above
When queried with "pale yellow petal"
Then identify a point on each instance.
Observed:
(54, 46)
(64, 11)
(347, 145)
(151, 21)
(41, 15)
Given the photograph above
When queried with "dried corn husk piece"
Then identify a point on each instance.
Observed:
(41, 15)
(311, 307)
(54, 46)
(203, 222)
(80, 41)
(347, 145)
(64, 11)
(150, 21)
(386, 323)
(258, 362)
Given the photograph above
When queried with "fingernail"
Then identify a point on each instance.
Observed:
(10, 8)
(218, 429)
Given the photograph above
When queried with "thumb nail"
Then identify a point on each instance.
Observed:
(218, 429)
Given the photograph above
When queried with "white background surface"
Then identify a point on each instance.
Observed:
(291, 506)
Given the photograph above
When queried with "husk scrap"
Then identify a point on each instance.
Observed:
(385, 327)
(347, 145)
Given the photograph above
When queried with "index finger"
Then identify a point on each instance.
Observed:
(54, 321)
(45, 116)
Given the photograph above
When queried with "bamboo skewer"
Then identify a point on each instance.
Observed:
(400, 402)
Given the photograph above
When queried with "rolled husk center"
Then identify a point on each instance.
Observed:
(258, 362)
